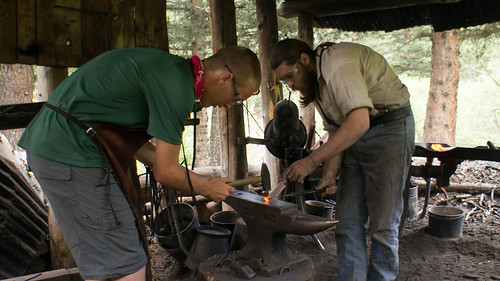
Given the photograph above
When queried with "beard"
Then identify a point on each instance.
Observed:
(310, 87)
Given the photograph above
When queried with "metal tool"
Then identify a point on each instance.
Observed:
(305, 192)
(278, 189)
(264, 179)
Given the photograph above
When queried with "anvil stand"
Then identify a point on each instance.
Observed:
(292, 154)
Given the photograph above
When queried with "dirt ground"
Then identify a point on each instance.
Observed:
(474, 256)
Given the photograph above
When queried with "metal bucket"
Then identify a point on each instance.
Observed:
(210, 241)
(445, 222)
(166, 234)
(319, 208)
(225, 219)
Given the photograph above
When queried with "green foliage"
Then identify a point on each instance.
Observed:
(188, 24)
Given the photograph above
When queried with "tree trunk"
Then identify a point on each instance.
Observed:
(16, 86)
(267, 35)
(441, 115)
(48, 79)
(231, 121)
(307, 114)
(201, 150)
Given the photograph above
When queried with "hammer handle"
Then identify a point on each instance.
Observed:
(245, 181)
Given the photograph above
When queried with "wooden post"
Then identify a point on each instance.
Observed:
(48, 79)
(305, 33)
(267, 33)
(234, 159)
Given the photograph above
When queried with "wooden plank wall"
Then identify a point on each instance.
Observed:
(71, 32)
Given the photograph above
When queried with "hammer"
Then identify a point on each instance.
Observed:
(264, 178)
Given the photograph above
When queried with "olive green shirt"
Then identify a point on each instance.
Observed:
(136, 88)
(352, 76)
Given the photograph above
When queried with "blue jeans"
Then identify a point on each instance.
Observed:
(372, 180)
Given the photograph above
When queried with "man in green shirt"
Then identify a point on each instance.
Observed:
(145, 89)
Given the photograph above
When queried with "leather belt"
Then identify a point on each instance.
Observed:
(390, 116)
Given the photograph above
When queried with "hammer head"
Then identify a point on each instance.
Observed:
(266, 177)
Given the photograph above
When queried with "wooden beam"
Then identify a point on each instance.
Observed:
(8, 27)
(223, 23)
(123, 24)
(96, 28)
(234, 159)
(71, 274)
(26, 36)
(472, 188)
(71, 32)
(322, 8)
(68, 33)
(307, 114)
(45, 32)
(151, 24)
(15, 116)
(267, 34)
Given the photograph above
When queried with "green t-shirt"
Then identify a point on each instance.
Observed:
(137, 88)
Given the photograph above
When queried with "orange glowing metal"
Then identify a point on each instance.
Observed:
(437, 147)
(266, 200)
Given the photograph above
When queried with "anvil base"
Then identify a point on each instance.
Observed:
(215, 270)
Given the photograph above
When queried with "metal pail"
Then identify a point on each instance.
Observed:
(210, 241)
(166, 234)
(445, 222)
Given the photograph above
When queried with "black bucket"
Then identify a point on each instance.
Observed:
(225, 219)
(445, 222)
(210, 241)
(166, 234)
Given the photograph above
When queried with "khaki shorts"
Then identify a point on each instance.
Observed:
(81, 200)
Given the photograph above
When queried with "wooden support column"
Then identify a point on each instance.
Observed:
(48, 79)
(151, 24)
(305, 33)
(267, 34)
(234, 158)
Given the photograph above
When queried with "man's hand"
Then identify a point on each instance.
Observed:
(330, 170)
(169, 172)
(300, 169)
(218, 189)
(329, 183)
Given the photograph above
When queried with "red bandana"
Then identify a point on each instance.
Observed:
(198, 76)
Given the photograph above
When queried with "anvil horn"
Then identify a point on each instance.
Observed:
(303, 224)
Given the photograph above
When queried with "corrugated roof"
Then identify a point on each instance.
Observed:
(443, 16)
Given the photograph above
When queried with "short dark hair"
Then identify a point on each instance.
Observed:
(289, 51)
(243, 62)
